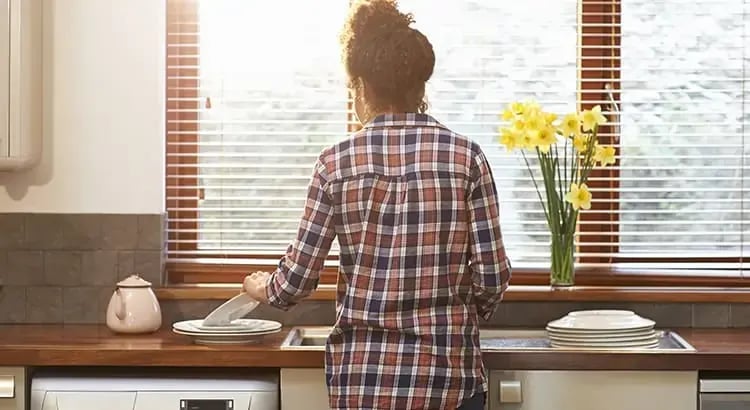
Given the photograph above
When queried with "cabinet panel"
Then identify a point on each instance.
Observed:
(304, 389)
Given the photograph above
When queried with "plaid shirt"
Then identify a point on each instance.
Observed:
(415, 210)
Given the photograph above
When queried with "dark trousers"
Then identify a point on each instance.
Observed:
(476, 402)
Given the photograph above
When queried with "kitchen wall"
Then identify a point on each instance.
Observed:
(104, 115)
(92, 211)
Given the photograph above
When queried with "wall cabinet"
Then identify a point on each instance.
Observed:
(20, 83)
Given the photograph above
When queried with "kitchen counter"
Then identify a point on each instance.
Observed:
(91, 345)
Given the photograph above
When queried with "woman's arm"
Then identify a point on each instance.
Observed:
(490, 267)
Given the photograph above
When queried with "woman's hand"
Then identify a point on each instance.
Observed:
(255, 286)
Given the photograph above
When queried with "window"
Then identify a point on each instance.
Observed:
(256, 91)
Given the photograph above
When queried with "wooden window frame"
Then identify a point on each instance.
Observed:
(599, 65)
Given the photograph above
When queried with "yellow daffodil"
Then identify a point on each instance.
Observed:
(510, 138)
(550, 118)
(605, 155)
(570, 125)
(579, 196)
(507, 115)
(546, 138)
(534, 120)
(516, 108)
(581, 142)
(530, 138)
(519, 124)
(593, 117)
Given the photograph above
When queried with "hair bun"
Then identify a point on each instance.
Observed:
(377, 16)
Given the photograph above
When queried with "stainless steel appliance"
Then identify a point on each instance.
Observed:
(724, 393)
(12, 388)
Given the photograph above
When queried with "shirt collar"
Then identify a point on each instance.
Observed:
(403, 120)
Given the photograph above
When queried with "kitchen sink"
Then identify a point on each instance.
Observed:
(491, 340)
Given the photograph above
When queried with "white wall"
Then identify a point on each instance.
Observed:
(103, 111)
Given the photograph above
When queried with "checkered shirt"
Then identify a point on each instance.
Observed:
(415, 209)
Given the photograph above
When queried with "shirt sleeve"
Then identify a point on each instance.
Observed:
(489, 265)
(299, 270)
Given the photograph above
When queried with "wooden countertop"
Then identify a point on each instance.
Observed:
(91, 345)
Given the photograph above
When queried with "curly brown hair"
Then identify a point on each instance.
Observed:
(384, 54)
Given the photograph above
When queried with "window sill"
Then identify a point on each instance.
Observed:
(663, 294)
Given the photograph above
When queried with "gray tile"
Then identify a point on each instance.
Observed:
(45, 231)
(80, 304)
(3, 266)
(13, 231)
(99, 268)
(149, 264)
(44, 305)
(12, 304)
(531, 314)
(23, 268)
(150, 232)
(306, 313)
(668, 315)
(63, 268)
(739, 314)
(103, 296)
(711, 315)
(82, 231)
(119, 232)
(176, 310)
(125, 264)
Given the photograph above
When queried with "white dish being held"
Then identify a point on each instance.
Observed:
(235, 308)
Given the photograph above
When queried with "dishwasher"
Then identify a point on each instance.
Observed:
(724, 391)
(178, 390)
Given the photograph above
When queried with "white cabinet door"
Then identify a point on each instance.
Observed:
(12, 388)
(593, 390)
(304, 389)
(4, 77)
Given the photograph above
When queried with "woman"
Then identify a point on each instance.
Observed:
(415, 211)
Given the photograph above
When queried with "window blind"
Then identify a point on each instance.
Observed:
(253, 98)
(264, 96)
(673, 77)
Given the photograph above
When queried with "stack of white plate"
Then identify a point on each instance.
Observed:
(602, 329)
(224, 325)
(239, 331)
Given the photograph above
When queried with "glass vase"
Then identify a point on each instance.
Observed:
(562, 269)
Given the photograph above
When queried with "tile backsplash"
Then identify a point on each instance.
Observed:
(62, 268)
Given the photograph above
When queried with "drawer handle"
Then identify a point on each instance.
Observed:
(510, 391)
(7, 387)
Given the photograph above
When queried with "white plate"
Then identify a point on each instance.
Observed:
(237, 325)
(204, 339)
(601, 320)
(605, 312)
(578, 347)
(600, 333)
(243, 327)
(602, 336)
(651, 336)
(235, 308)
(607, 344)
